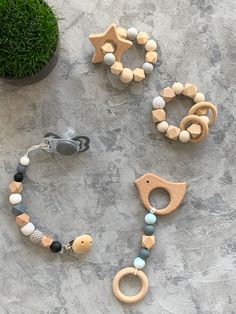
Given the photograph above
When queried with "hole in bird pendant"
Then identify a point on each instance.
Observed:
(130, 285)
(82, 242)
(159, 198)
(147, 181)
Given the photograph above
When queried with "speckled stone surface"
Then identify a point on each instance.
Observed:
(192, 266)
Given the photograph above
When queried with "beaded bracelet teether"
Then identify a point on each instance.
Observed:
(52, 143)
(146, 184)
(110, 46)
(195, 126)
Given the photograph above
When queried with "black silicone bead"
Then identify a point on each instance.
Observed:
(144, 253)
(18, 177)
(55, 247)
(148, 229)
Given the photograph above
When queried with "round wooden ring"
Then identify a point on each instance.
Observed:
(130, 298)
(194, 118)
(205, 104)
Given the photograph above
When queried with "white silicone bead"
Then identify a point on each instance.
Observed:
(139, 263)
(178, 88)
(132, 33)
(184, 136)
(162, 126)
(24, 161)
(147, 67)
(151, 45)
(158, 102)
(199, 97)
(205, 119)
(15, 198)
(28, 229)
(109, 58)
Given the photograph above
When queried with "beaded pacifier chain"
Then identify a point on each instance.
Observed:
(52, 143)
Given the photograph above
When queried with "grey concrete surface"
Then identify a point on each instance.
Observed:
(192, 267)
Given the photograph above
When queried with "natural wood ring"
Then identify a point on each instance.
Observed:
(205, 104)
(194, 118)
(133, 298)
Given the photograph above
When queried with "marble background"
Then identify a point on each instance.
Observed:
(192, 267)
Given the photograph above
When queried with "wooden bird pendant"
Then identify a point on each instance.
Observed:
(149, 182)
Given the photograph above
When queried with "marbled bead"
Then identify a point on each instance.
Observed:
(15, 198)
(158, 102)
(36, 236)
(150, 218)
(28, 229)
(143, 253)
(20, 168)
(18, 209)
(139, 263)
(148, 229)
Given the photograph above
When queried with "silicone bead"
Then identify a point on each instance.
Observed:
(162, 126)
(24, 161)
(28, 229)
(18, 209)
(132, 33)
(126, 75)
(109, 58)
(158, 102)
(205, 119)
(148, 229)
(151, 45)
(199, 97)
(147, 67)
(15, 198)
(143, 253)
(36, 236)
(139, 263)
(178, 88)
(18, 177)
(21, 169)
(55, 247)
(150, 218)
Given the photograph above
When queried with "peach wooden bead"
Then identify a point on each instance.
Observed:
(107, 47)
(190, 90)
(162, 126)
(168, 94)
(178, 88)
(122, 32)
(142, 38)
(151, 57)
(205, 119)
(139, 74)
(46, 241)
(15, 187)
(151, 45)
(148, 241)
(158, 115)
(22, 220)
(199, 97)
(173, 132)
(116, 68)
(82, 244)
(126, 75)
(184, 136)
(195, 130)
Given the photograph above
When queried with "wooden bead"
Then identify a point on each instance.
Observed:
(178, 88)
(184, 136)
(162, 126)
(22, 220)
(202, 112)
(173, 132)
(142, 38)
(195, 130)
(199, 97)
(82, 244)
(190, 90)
(151, 45)
(151, 57)
(122, 32)
(116, 68)
(205, 119)
(158, 115)
(168, 94)
(126, 75)
(15, 187)
(148, 241)
(195, 119)
(107, 47)
(139, 74)
(46, 241)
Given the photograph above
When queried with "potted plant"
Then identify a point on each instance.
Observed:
(29, 38)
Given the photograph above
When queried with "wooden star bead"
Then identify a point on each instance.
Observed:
(15, 187)
(46, 241)
(142, 38)
(107, 47)
(116, 68)
(195, 130)
(148, 241)
(122, 32)
(190, 90)
(22, 220)
(158, 115)
(151, 57)
(139, 74)
(173, 132)
(168, 94)
(126, 75)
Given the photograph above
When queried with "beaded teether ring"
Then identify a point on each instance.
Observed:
(52, 143)
(145, 185)
(110, 46)
(195, 126)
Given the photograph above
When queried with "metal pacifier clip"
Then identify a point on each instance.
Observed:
(54, 144)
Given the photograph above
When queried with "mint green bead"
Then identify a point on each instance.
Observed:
(150, 219)
(139, 263)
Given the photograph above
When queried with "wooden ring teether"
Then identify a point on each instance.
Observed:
(196, 131)
(110, 46)
(204, 127)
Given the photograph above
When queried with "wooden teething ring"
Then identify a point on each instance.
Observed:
(194, 118)
(132, 298)
(207, 105)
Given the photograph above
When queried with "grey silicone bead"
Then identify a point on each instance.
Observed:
(147, 67)
(36, 236)
(18, 209)
(144, 253)
(148, 229)
(109, 58)
(21, 169)
(132, 33)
